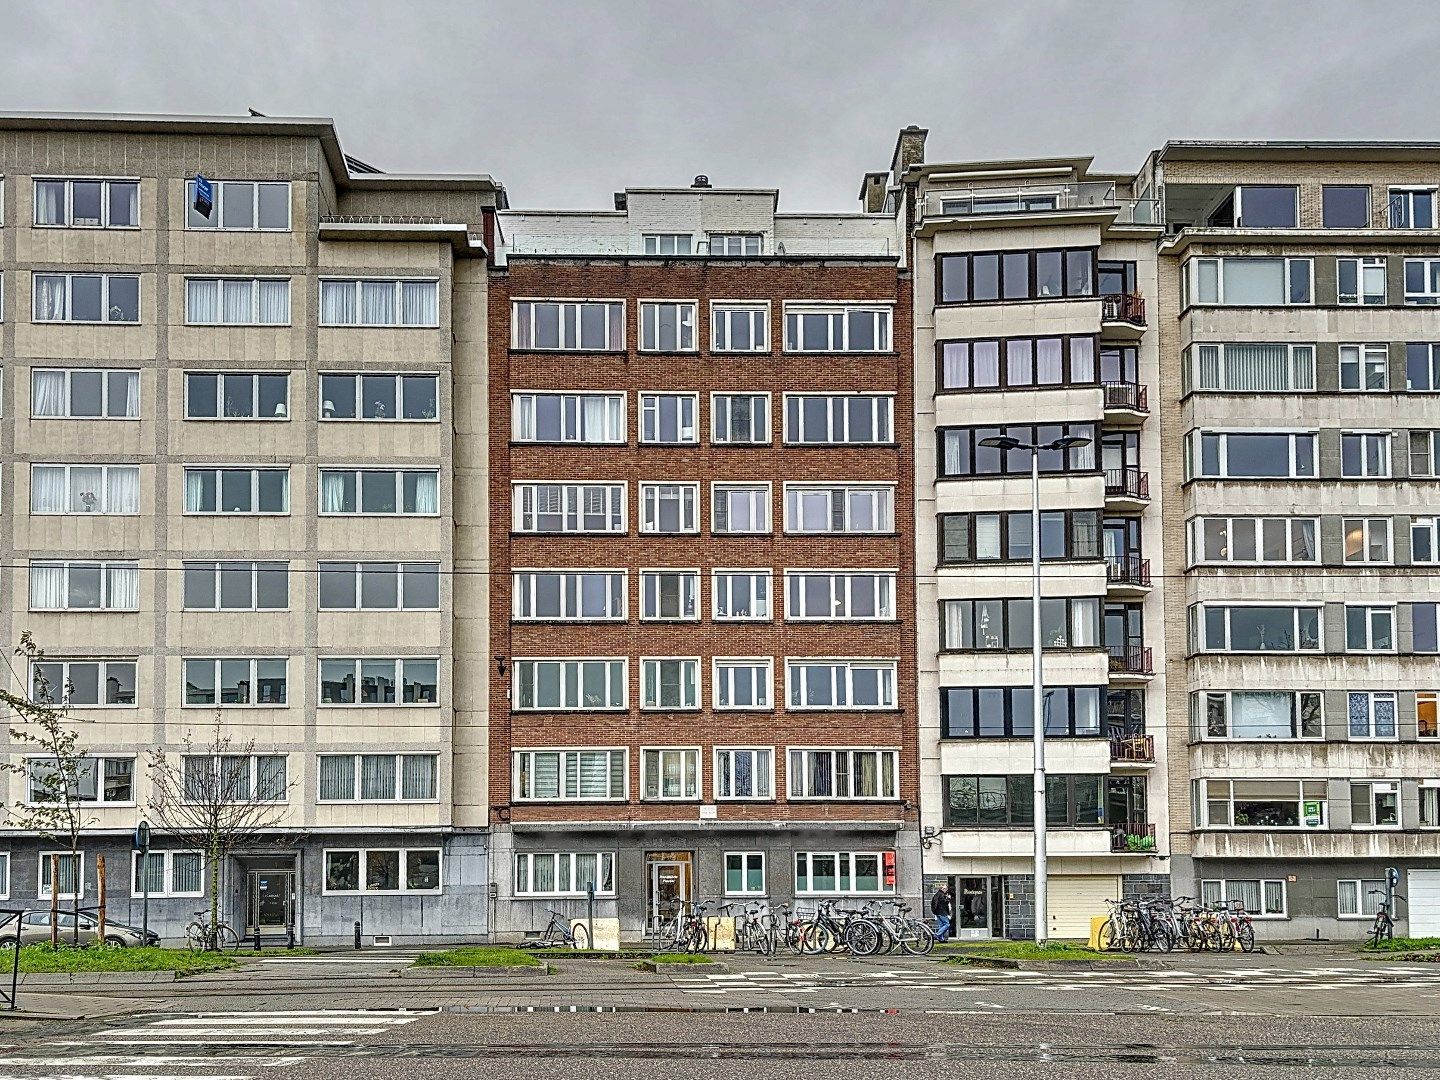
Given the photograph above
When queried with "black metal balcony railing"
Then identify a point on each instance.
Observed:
(1128, 483)
(1123, 307)
(1127, 570)
(1132, 836)
(1130, 659)
(1137, 748)
(1127, 395)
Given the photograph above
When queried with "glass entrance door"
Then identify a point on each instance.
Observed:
(668, 888)
(972, 907)
(271, 900)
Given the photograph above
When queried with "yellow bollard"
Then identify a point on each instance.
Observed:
(1096, 922)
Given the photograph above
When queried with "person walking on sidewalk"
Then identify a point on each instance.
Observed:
(942, 906)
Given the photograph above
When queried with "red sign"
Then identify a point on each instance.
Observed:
(888, 858)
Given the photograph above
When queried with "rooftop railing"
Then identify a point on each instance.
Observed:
(1042, 199)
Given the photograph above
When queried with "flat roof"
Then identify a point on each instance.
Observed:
(1297, 150)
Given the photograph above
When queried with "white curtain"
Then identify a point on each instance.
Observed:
(427, 493)
(524, 416)
(47, 393)
(1261, 715)
(337, 303)
(47, 586)
(132, 394)
(86, 494)
(1257, 367)
(238, 300)
(337, 777)
(599, 422)
(50, 202)
(419, 302)
(122, 488)
(195, 490)
(48, 491)
(124, 204)
(202, 301)
(275, 303)
(49, 298)
(377, 303)
(332, 492)
(122, 587)
(417, 779)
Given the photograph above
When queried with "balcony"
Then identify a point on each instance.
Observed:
(1133, 838)
(1054, 200)
(1122, 315)
(1130, 661)
(1127, 488)
(1132, 749)
(1127, 574)
(1126, 403)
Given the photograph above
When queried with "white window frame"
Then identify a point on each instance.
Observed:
(837, 422)
(723, 766)
(758, 493)
(887, 761)
(1430, 526)
(254, 680)
(569, 322)
(1206, 355)
(43, 887)
(524, 586)
(100, 799)
(1369, 441)
(1405, 194)
(573, 429)
(720, 332)
(398, 474)
(105, 566)
(252, 777)
(563, 770)
(1429, 803)
(688, 595)
(842, 592)
(68, 373)
(1430, 295)
(656, 243)
(604, 870)
(1264, 884)
(1370, 530)
(1376, 787)
(720, 409)
(69, 221)
(254, 283)
(839, 313)
(744, 241)
(652, 406)
(357, 378)
(881, 495)
(398, 309)
(796, 680)
(624, 683)
(100, 678)
(687, 324)
(256, 414)
(104, 319)
(1358, 362)
(748, 860)
(1372, 700)
(167, 873)
(1195, 457)
(1239, 218)
(104, 492)
(1433, 374)
(1293, 535)
(357, 774)
(399, 663)
(572, 497)
(1201, 637)
(652, 492)
(721, 680)
(651, 663)
(717, 587)
(652, 757)
(216, 566)
(361, 568)
(218, 188)
(1200, 701)
(1191, 272)
(1200, 794)
(849, 858)
(254, 472)
(1365, 267)
(1360, 894)
(363, 873)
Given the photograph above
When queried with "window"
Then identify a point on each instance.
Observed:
(1364, 367)
(740, 595)
(1116, 277)
(382, 396)
(1071, 801)
(235, 681)
(828, 873)
(669, 508)
(377, 777)
(237, 301)
(84, 394)
(1422, 282)
(84, 489)
(1345, 206)
(738, 327)
(1423, 624)
(1264, 898)
(1262, 804)
(1005, 536)
(1424, 540)
(1248, 281)
(386, 492)
(962, 455)
(744, 772)
(1371, 715)
(735, 243)
(1412, 208)
(670, 773)
(838, 419)
(89, 298)
(1359, 898)
(211, 395)
(981, 625)
(570, 684)
(739, 508)
(740, 419)
(1267, 206)
(573, 325)
(1016, 275)
(1251, 454)
(669, 594)
(383, 870)
(667, 243)
(371, 302)
(836, 328)
(1255, 540)
(1367, 540)
(93, 780)
(851, 595)
(565, 873)
(1258, 714)
(83, 682)
(669, 418)
(234, 778)
(568, 508)
(1365, 454)
(1430, 804)
(71, 872)
(743, 683)
(1422, 366)
(594, 419)
(1257, 628)
(241, 205)
(563, 595)
(842, 774)
(371, 680)
(667, 326)
(1251, 368)
(853, 508)
(84, 586)
(379, 586)
(570, 775)
(237, 491)
(670, 683)
(1006, 712)
(1017, 363)
(1360, 281)
(88, 204)
(237, 586)
(841, 684)
(168, 873)
(1375, 805)
(745, 873)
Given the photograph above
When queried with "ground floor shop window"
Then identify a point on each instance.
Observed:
(822, 873)
(383, 870)
(564, 873)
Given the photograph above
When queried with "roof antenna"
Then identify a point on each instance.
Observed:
(255, 112)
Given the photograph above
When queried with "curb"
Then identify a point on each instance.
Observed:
(475, 972)
(95, 978)
(683, 969)
(1045, 965)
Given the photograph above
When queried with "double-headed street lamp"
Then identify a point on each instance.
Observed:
(1005, 444)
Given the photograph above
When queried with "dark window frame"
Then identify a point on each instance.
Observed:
(1015, 705)
(1017, 462)
(1019, 812)
(1023, 603)
(1072, 552)
(1003, 366)
(1003, 296)
(1128, 270)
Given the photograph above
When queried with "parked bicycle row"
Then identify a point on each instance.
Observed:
(1163, 924)
(877, 926)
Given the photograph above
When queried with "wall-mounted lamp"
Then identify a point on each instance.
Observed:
(500, 663)
(928, 836)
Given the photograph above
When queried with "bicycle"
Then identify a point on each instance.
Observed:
(201, 937)
(557, 934)
(755, 932)
(1383, 928)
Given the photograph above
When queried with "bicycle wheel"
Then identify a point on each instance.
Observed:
(696, 937)
(1106, 938)
(922, 941)
(579, 937)
(817, 938)
(195, 937)
(1222, 937)
(1160, 938)
(862, 938)
(1246, 936)
(226, 940)
(765, 938)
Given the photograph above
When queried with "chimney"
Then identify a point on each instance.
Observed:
(873, 191)
(701, 181)
(909, 150)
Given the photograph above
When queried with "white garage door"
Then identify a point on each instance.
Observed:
(1424, 903)
(1075, 900)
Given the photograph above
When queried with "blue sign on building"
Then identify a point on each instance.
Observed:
(204, 196)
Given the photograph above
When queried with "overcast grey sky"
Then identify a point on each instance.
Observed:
(567, 102)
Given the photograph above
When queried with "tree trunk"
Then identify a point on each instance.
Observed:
(100, 896)
(214, 891)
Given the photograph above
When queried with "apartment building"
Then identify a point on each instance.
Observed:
(1300, 349)
(1031, 283)
(242, 481)
(701, 509)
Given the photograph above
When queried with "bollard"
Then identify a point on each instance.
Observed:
(357, 933)
(257, 938)
(290, 935)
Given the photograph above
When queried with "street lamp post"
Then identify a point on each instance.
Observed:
(1005, 444)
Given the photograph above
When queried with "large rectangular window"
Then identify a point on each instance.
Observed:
(1367, 540)
(571, 596)
(670, 594)
(1412, 208)
(735, 243)
(840, 684)
(237, 301)
(669, 418)
(88, 203)
(1422, 282)
(379, 586)
(844, 596)
(241, 205)
(670, 683)
(842, 774)
(1005, 536)
(235, 395)
(1262, 804)
(1359, 898)
(744, 772)
(382, 492)
(1254, 540)
(740, 419)
(668, 325)
(570, 684)
(834, 873)
(1422, 366)
(669, 508)
(84, 489)
(1375, 805)
(591, 419)
(1365, 454)
(1006, 712)
(740, 595)
(236, 586)
(379, 396)
(1360, 281)
(1017, 363)
(376, 680)
(670, 773)
(568, 508)
(92, 780)
(1365, 368)
(209, 779)
(84, 586)
(168, 873)
(839, 419)
(739, 327)
(84, 394)
(236, 680)
(1250, 368)
(569, 325)
(851, 508)
(1345, 206)
(1256, 628)
(377, 777)
(1262, 898)
(1258, 714)
(86, 298)
(237, 491)
(70, 866)
(581, 775)
(1252, 454)
(840, 328)
(743, 682)
(981, 625)
(566, 873)
(1267, 206)
(667, 243)
(383, 870)
(83, 682)
(1371, 714)
(985, 277)
(737, 509)
(963, 455)
(1075, 801)
(1248, 281)
(379, 302)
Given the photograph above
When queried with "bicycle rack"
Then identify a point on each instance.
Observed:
(11, 1003)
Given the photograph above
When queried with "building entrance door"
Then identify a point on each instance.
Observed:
(669, 876)
(270, 901)
(972, 907)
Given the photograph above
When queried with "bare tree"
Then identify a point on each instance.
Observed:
(56, 771)
(210, 800)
